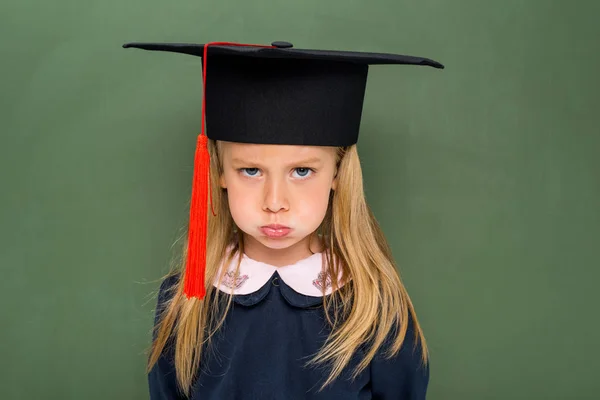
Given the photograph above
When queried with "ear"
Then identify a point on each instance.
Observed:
(334, 182)
(222, 181)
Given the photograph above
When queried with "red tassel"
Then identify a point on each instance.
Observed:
(196, 261)
(195, 270)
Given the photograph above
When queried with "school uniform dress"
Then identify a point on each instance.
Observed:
(276, 324)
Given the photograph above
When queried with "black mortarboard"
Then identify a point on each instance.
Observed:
(272, 95)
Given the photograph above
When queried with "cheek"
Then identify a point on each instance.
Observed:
(241, 206)
(311, 205)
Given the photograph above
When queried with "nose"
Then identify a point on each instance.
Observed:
(275, 195)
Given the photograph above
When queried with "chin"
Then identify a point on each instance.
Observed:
(276, 243)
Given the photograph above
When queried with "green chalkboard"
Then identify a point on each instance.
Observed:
(485, 177)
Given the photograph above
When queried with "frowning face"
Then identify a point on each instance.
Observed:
(278, 194)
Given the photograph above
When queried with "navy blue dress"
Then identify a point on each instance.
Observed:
(260, 352)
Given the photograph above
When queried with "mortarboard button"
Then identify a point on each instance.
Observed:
(282, 45)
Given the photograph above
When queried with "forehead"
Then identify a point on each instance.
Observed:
(276, 152)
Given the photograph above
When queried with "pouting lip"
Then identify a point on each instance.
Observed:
(275, 226)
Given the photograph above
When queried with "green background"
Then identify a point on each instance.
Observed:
(485, 177)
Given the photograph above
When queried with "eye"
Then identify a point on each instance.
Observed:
(303, 172)
(249, 171)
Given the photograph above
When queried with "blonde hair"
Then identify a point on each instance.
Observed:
(362, 312)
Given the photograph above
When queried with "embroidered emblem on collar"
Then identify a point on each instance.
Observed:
(323, 281)
(232, 281)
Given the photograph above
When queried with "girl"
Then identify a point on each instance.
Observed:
(303, 300)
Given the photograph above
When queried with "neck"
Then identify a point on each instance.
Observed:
(284, 256)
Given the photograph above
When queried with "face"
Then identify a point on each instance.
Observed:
(278, 194)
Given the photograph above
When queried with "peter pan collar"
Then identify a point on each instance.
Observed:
(301, 282)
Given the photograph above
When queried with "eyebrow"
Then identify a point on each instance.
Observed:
(312, 160)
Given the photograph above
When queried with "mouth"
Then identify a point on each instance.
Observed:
(275, 230)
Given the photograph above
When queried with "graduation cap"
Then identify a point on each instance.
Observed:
(271, 95)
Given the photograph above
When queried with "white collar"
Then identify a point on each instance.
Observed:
(305, 276)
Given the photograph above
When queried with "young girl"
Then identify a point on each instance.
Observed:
(303, 299)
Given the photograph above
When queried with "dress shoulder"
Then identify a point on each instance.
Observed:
(403, 376)
(162, 378)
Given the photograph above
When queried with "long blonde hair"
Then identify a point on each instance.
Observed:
(364, 312)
